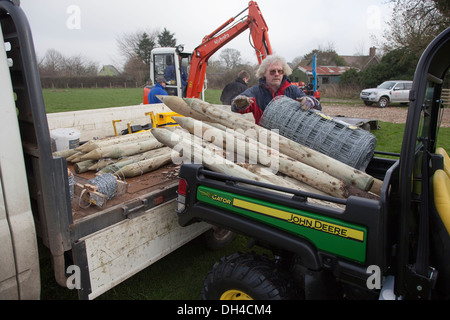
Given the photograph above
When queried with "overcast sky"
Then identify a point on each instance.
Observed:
(296, 27)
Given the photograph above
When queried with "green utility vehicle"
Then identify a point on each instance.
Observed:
(397, 247)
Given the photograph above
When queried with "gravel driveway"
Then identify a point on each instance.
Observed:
(394, 114)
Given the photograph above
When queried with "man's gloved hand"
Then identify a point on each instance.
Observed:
(307, 102)
(242, 102)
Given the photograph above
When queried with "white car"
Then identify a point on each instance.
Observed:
(387, 92)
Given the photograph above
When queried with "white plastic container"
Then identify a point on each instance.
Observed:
(65, 138)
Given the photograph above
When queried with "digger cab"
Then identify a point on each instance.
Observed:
(173, 65)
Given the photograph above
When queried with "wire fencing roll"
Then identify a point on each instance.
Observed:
(106, 184)
(71, 184)
(334, 138)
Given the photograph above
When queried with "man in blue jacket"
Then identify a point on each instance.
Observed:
(158, 89)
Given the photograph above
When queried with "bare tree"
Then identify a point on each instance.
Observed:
(78, 66)
(360, 48)
(296, 61)
(128, 43)
(51, 64)
(136, 69)
(55, 64)
(414, 24)
(231, 58)
(136, 47)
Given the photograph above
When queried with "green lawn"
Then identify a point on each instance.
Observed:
(390, 136)
(60, 100)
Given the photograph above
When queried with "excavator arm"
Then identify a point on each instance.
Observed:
(211, 43)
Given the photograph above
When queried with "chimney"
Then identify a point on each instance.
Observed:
(372, 51)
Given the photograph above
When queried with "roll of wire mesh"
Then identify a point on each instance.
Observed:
(106, 184)
(71, 183)
(336, 139)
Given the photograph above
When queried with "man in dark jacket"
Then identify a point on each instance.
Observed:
(235, 88)
(273, 81)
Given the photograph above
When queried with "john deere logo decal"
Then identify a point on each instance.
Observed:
(308, 222)
(327, 233)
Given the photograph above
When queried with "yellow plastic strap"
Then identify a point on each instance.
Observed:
(441, 190)
(446, 160)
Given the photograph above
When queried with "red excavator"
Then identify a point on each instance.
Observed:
(171, 63)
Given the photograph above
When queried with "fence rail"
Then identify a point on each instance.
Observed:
(445, 97)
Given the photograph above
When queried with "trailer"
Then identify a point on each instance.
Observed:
(93, 248)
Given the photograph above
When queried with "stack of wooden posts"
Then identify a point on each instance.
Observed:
(125, 156)
(223, 142)
(121, 156)
(210, 128)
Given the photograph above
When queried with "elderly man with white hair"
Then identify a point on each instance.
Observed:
(273, 81)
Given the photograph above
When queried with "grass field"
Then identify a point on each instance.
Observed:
(60, 100)
(178, 276)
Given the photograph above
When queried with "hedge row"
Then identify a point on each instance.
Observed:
(89, 82)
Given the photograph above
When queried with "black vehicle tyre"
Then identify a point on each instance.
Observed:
(217, 238)
(383, 102)
(247, 277)
(368, 103)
